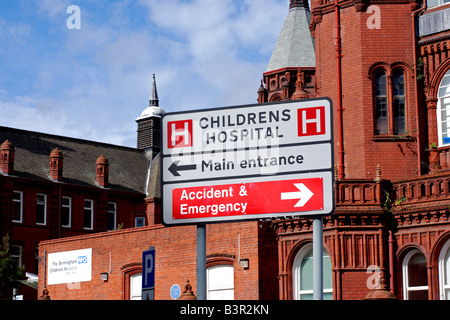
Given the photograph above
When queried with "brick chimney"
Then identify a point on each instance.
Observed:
(102, 171)
(56, 165)
(7, 157)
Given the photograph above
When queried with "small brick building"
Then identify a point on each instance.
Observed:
(119, 254)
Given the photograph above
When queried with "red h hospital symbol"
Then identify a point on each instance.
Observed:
(311, 121)
(179, 134)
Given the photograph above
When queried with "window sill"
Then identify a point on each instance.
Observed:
(392, 138)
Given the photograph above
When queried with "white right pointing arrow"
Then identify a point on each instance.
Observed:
(304, 194)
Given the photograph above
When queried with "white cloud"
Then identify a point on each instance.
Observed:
(53, 8)
(93, 83)
(223, 40)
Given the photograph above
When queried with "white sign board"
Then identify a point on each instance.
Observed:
(248, 162)
(69, 266)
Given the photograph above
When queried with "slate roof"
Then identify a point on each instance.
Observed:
(127, 166)
(295, 45)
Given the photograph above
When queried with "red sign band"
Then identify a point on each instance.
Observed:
(248, 198)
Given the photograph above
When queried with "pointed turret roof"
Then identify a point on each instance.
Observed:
(154, 101)
(153, 109)
(295, 45)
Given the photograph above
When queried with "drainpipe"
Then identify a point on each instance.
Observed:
(416, 90)
(338, 49)
(391, 262)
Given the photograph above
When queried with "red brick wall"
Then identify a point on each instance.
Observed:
(362, 48)
(175, 259)
(355, 285)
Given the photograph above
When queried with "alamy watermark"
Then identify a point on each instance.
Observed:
(374, 21)
(74, 20)
(374, 280)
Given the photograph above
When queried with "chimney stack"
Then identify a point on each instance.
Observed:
(102, 171)
(56, 165)
(7, 157)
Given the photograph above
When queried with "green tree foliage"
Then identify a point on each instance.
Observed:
(9, 272)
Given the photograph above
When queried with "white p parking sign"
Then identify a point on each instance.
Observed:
(148, 274)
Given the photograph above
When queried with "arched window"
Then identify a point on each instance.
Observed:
(132, 280)
(303, 275)
(381, 109)
(220, 282)
(276, 97)
(444, 272)
(443, 110)
(398, 90)
(415, 279)
(136, 286)
(389, 101)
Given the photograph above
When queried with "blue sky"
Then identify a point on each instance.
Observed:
(93, 82)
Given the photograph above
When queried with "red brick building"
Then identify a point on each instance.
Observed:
(119, 255)
(55, 187)
(385, 65)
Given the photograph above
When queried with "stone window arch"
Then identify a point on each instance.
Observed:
(302, 274)
(415, 276)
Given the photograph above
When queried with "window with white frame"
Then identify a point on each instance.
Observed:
(18, 206)
(112, 216)
(136, 286)
(443, 111)
(41, 209)
(415, 278)
(88, 214)
(139, 222)
(66, 212)
(303, 274)
(444, 272)
(220, 282)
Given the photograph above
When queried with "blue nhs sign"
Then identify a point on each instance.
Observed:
(148, 269)
(82, 259)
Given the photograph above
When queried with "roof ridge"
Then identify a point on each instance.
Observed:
(66, 137)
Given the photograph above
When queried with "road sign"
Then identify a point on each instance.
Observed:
(251, 126)
(248, 162)
(244, 163)
(148, 274)
(250, 198)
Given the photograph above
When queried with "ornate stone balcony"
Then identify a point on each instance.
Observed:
(367, 202)
(421, 200)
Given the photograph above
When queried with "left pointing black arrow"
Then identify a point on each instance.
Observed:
(174, 168)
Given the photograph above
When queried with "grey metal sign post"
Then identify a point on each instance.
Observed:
(201, 262)
(317, 259)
